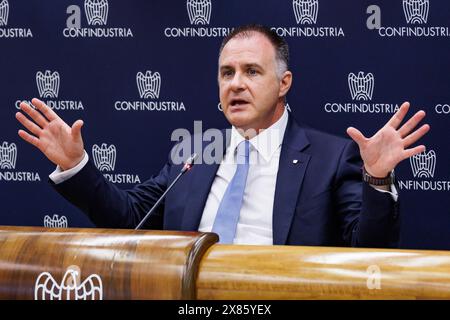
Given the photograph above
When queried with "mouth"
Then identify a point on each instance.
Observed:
(238, 103)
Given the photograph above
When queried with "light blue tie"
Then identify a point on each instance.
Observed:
(230, 207)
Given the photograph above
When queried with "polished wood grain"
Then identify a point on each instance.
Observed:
(288, 272)
(131, 264)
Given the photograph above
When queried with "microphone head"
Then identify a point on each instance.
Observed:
(189, 162)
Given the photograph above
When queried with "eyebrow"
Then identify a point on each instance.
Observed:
(247, 65)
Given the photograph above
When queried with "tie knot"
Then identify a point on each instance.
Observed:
(242, 153)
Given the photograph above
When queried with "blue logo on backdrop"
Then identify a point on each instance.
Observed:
(96, 12)
(48, 84)
(423, 167)
(8, 157)
(416, 15)
(361, 87)
(149, 85)
(199, 14)
(104, 157)
(11, 32)
(306, 13)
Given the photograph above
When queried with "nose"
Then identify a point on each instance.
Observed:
(238, 82)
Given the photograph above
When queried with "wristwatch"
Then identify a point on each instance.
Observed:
(386, 181)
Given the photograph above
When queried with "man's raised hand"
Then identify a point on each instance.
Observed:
(389, 146)
(61, 144)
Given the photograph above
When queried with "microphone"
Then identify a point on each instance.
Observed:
(187, 166)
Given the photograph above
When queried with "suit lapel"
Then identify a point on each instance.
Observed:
(202, 177)
(291, 171)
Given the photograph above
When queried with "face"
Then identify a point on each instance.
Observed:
(251, 94)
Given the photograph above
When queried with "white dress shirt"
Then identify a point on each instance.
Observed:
(255, 221)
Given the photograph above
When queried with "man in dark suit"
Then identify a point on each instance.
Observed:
(277, 181)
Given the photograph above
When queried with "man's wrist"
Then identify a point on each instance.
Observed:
(378, 181)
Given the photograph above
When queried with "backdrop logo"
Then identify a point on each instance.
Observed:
(105, 160)
(10, 32)
(305, 14)
(361, 86)
(423, 167)
(199, 11)
(416, 11)
(442, 108)
(104, 157)
(4, 12)
(423, 164)
(8, 158)
(306, 11)
(55, 221)
(48, 84)
(199, 14)
(8, 155)
(96, 11)
(148, 84)
(416, 14)
(70, 287)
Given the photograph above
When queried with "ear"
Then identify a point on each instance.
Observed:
(285, 83)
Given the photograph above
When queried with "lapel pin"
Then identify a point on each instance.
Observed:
(295, 161)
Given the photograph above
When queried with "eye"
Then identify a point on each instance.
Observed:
(252, 72)
(227, 73)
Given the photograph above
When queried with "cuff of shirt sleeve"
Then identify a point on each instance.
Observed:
(393, 192)
(59, 176)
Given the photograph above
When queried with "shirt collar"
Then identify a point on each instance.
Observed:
(266, 142)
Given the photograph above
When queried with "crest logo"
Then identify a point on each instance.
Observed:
(48, 84)
(199, 11)
(4, 12)
(96, 11)
(416, 11)
(104, 157)
(306, 11)
(8, 155)
(70, 288)
(361, 86)
(55, 221)
(148, 84)
(423, 164)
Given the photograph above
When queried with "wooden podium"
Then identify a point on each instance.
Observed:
(41, 263)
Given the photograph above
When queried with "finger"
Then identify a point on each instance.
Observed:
(35, 115)
(413, 151)
(416, 135)
(356, 135)
(76, 129)
(29, 138)
(398, 117)
(411, 123)
(46, 111)
(31, 126)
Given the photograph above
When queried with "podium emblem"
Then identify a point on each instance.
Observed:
(70, 287)
(361, 86)
(55, 221)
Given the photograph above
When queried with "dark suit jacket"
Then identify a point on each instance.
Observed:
(319, 201)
